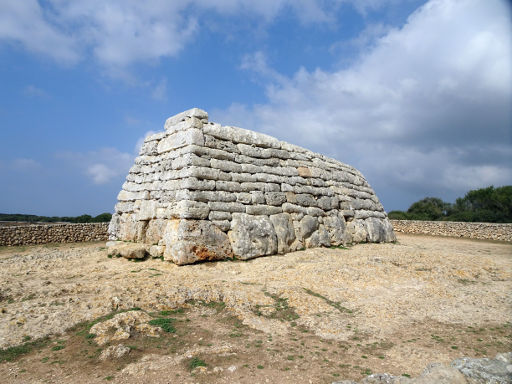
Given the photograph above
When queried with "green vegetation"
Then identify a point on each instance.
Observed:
(165, 324)
(488, 205)
(101, 218)
(196, 362)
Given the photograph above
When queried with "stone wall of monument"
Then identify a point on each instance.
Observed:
(482, 231)
(52, 233)
(202, 191)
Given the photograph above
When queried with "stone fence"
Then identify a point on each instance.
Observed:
(482, 231)
(52, 233)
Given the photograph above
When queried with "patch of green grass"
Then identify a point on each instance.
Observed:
(466, 281)
(165, 323)
(196, 362)
(12, 353)
(290, 357)
(57, 347)
(454, 347)
(29, 297)
(406, 375)
(108, 378)
(172, 312)
(338, 247)
(260, 366)
(334, 304)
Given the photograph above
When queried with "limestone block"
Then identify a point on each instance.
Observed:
(239, 135)
(226, 165)
(283, 226)
(314, 211)
(155, 231)
(147, 210)
(270, 178)
(243, 197)
(205, 196)
(223, 225)
(188, 209)
(127, 250)
(124, 206)
(308, 225)
(306, 200)
(219, 215)
(243, 177)
(252, 236)
(132, 196)
(336, 228)
(293, 208)
(275, 198)
(196, 184)
(357, 230)
(226, 206)
(379, 230)
(155, 137)
(189, 159)
(291, 197)
(230, 186)
(180, 139)
(189, 241)
(304, 172)
(156, 251)
(114, 227)
(319, 238)
(260, 209)
(149, 148)
(257, 197)
(194, 112)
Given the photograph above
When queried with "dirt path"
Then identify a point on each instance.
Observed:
(316, 316)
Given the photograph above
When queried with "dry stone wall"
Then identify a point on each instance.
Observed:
(481, 231)
(202, 191)
(52, 233)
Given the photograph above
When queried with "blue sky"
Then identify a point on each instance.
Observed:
(416, 94)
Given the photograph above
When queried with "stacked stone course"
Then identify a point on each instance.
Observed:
(52, 233)
(480, 231)
(202, 191)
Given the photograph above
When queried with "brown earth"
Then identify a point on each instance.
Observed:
(314, 316)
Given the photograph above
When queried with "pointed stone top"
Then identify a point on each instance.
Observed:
(194, 112)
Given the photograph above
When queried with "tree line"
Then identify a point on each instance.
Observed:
(101, 218)
(487, 205)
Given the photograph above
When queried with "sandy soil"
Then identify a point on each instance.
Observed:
(318, 315)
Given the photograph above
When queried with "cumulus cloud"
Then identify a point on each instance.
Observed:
(102, 166)
(425, 109)
(122, 32)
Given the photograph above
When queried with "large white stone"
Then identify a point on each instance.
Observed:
(189, 241)
(252, 236)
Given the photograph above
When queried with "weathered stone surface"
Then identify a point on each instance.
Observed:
(194, 112)
(252, 236)
(336, 229)
(127, 250)
(283, 226)
(189, 241)
(308, 225)
(201, 171)
(379, 230)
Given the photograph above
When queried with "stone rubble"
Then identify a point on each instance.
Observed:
(202, 191)
(464, 370)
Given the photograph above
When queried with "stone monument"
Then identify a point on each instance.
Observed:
(201, 191)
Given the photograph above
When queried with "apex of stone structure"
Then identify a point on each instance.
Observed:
(202, 191)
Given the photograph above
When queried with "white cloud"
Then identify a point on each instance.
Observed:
(33, 91)
(24, 164)
(25, 23)
(411, 111)
(122, 32)
(102, 166)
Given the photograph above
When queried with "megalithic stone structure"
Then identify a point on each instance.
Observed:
(201, 191)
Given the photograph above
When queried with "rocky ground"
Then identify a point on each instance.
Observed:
(69, 314)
